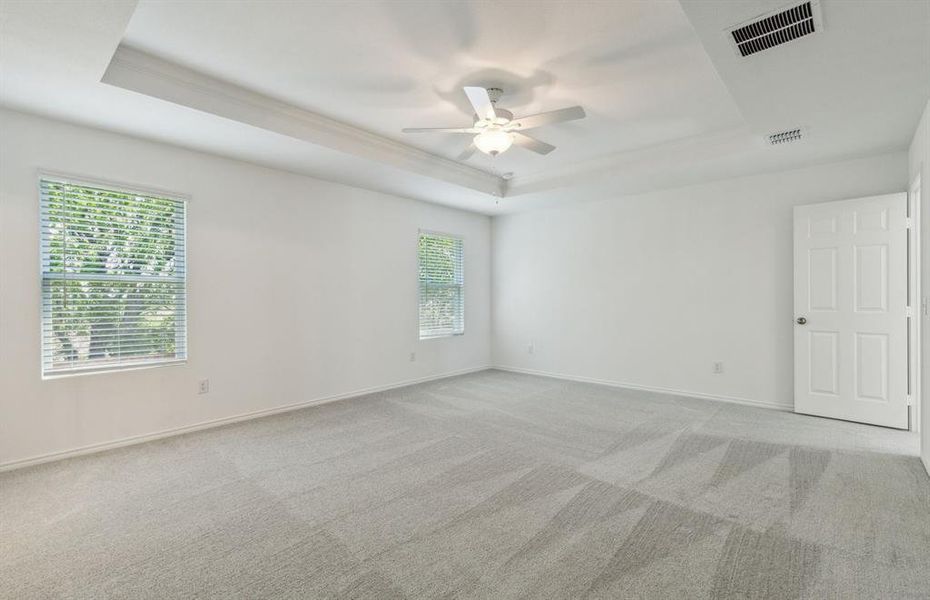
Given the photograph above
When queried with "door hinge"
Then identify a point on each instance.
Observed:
(910, 400)
(908, 311)
(908, 223)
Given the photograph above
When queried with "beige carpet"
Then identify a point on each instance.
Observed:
(492, 485)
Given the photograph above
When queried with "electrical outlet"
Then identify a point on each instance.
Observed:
(531, 348)
(718, 368)
(413, 357)
(203, 387)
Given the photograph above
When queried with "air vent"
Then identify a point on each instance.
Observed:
(777, 28)
(785, 137)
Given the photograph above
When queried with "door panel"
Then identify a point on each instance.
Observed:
(871, 366)
(823, 362)
(822, 278)
(850, 303)
(872, 278)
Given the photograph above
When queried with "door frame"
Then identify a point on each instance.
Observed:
(915, 294)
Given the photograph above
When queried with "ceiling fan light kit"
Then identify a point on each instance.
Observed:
(496, 129)
(493, 141)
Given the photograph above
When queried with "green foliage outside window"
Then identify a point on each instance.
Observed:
(113, 277)
(441, 276)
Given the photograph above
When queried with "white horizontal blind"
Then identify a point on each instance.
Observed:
(114, 285)
(442, 286)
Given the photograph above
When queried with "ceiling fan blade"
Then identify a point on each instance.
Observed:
(467, 152)
(440, 130)
(548, 118)
(525, 141)
(481, 102)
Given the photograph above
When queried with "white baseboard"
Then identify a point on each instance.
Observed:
(647, 388)
(139, 439)
(148, 437)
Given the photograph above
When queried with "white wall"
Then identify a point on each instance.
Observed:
(650, 290)
(645, 290)
(919, 163)
(299, 290)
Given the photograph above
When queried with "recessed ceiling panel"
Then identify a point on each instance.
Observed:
(637, 68)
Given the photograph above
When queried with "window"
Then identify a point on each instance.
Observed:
(442, 291)
(113, 278)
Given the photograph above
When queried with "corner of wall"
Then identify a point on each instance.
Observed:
(919, 166)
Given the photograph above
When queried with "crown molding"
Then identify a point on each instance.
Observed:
(140, 72)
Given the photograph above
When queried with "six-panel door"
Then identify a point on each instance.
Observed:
(850, 300)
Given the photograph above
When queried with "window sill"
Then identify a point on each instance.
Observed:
(440, 336)
(112, 369)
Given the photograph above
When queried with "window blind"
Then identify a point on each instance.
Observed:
(114, 286)
(442, 289)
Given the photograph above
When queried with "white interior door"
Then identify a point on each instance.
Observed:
(850, 303)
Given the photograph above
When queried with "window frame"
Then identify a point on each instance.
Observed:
(453, 236)
(119, 187)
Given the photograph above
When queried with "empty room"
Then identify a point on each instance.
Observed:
(415, 299)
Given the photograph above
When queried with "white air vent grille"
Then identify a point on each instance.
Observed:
(777, 28)
(784, 137)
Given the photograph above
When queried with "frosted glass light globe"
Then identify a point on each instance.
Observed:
(493, 141)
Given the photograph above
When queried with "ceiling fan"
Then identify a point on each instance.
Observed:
(496, 129)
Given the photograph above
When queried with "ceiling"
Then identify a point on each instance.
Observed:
(324, 88)
(638, 68)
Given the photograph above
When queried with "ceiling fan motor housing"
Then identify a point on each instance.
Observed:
(495, 129)
(502, 118)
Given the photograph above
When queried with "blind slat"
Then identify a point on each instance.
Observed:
(442, 282)
(114, 291)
